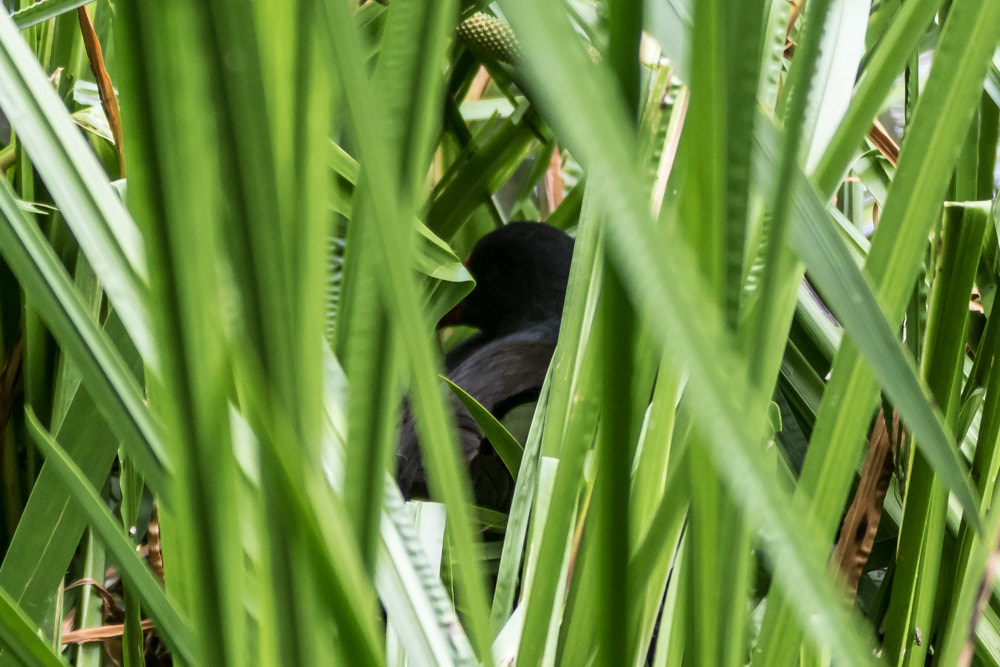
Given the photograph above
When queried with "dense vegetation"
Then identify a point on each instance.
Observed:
(770, 433)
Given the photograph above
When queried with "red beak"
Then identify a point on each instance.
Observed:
(453, 316)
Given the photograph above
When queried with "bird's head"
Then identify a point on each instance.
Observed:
(521, 272)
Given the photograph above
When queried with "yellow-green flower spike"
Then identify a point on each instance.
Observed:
(487, 35)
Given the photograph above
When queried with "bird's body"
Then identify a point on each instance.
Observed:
(521, 272)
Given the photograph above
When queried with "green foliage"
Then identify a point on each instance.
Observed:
(234, 335)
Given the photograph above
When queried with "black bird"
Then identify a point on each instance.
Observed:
(521, 272)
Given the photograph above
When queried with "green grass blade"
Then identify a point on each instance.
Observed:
(173, 628)
(50, 526)
(614, 452)
(78, 184)
(446, 477)
(107, 376)
(854, 303)
(407, 582)
(925, 514)
(371, 358)
(19, 636)
(512, 555)
(570, 428)
(506, 445)
(654, 281)
(897, 251)
(42, 11)
(886, 62)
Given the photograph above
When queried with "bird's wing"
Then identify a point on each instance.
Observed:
(500, 375)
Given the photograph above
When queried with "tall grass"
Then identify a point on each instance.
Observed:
(227, 335)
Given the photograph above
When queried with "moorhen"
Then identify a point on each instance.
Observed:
(521, 270)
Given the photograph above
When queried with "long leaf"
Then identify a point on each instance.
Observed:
(897, 251)
(18, 635)
(44, 10)
(78, 184)
(107, 376)
(506, 446)
(50, 527)
(655, 282)
(851, 297)
(446, 479)
(410, 588)
(174, 628)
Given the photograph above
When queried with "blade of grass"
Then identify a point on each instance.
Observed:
(78, 184)
(506, 446)
(512, 555)
(715, 205)
(447, 480)
(408, 584)
(106, 375)
(173, 628)
(614, 453)
(599, 143)
(885, 63)
(415, 34)
(50, 526)
(570, 427)
(42, 11)
(372, 360)
(19, 636)
(935, 136)
(919, 555)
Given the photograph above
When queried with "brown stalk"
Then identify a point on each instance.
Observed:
(104, 88)
(883, 142)
(857, 533)
(100, 633)
(10, 382)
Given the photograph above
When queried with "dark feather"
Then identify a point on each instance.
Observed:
(521, 272)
